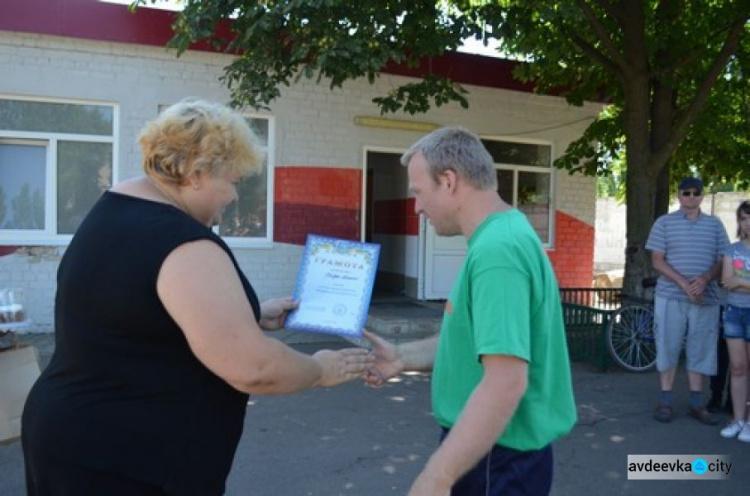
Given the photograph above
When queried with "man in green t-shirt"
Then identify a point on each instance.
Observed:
(501, 387)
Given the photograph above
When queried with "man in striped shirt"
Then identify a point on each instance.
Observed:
(686, 249)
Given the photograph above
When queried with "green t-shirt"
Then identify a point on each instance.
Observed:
(506, 302)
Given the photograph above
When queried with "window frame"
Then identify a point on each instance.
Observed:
(49, 236)
(516, 169)
(270, 151)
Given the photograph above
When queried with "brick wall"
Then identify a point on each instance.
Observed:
(573, 255)
(316, 200)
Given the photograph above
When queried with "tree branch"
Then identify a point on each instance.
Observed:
(593, 53)
(685, 59)
(684, 120)
(602, 35)
(615, 10)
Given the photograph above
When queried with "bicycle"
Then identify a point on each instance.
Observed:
(630, 332)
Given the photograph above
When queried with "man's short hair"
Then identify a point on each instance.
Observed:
(459, 150)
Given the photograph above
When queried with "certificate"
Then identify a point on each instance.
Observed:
(334, 286)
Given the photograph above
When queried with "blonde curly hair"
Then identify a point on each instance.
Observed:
(198, 135)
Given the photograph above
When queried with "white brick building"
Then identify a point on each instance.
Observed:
(58, 55)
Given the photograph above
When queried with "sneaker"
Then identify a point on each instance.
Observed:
(745, 434)
(732, 429)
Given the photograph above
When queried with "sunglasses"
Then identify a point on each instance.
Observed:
(691, 193)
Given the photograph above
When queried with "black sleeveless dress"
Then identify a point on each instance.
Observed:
(123, 393)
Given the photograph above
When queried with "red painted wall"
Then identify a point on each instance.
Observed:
(316, 200)
(573, 256)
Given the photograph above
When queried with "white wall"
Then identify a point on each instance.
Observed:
(609, 246)
(314, 126)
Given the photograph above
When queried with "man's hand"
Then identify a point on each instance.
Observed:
(387, 361)
(697, 288)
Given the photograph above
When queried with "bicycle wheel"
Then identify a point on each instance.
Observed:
(630, 338)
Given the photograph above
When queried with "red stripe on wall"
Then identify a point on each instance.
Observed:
(322, 186)
(294, 221)
(573, 256)
(316, 200)
(94, 20)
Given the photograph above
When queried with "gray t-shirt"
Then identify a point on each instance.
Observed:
(740, 255)
(691, 247)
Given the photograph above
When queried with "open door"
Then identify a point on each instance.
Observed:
(443, 258)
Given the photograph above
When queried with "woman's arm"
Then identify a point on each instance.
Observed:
(730, 279)
(201, 290)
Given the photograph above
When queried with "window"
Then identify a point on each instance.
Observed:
(248, 220)
(56, 159)
(524, 179)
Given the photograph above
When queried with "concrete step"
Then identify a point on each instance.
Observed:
(404, 320)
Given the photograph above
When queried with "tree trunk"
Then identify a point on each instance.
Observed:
(663, 109)
(663, 192)
(640, 183)
(640, 214)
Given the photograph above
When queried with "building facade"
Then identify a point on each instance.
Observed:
(81, 77)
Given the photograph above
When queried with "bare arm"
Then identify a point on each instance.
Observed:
(660, 264)
(201, 290)
(391, 360)
(483, 420)
(692, 287)
(418, 355)
(730, 279)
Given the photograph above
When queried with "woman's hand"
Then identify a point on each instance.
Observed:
(273, 312)
(342, 365)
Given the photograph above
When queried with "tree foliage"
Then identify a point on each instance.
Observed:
(674, 71)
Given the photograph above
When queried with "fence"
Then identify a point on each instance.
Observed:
(587, 312)
(601, 298)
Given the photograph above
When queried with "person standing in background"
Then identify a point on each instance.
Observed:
(735, 277)
(686, 250)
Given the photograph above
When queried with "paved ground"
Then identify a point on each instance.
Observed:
(356, 441)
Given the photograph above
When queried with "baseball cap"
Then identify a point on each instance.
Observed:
(691, 182)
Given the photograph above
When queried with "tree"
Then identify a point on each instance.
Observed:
(674, 71)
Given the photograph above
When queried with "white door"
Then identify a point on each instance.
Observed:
(443, 258)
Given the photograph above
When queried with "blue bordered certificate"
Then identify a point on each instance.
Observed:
(334, 286)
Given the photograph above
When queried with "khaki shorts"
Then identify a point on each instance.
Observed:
(677, 322)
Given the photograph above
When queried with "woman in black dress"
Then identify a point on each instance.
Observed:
(158, 332)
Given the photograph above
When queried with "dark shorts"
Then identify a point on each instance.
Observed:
(507, 472)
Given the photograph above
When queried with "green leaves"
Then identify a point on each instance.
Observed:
(419, 97)
(618, 52)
